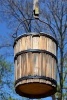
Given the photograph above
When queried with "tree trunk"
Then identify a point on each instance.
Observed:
(61, 69)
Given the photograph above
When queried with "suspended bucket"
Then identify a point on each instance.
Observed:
(35, 65)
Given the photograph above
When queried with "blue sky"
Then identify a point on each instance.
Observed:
(4, 31)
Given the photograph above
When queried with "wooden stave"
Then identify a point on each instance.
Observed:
(35, 34)
(32, 44)
(25, 73)
(27, 70)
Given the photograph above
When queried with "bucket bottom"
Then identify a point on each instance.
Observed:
(35, 88)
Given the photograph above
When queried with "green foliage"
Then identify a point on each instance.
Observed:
(5, 67)
(4, 64)
(5, 70)
(10, 98)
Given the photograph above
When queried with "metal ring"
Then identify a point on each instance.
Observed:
(35, 34)
(36, 77)
(35, 51)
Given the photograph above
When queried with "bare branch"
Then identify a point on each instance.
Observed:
(5, 45)
(48, 26)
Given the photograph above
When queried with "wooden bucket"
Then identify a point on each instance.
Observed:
(35, 65)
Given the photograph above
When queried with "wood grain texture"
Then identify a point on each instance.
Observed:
(41, 64)
(36, 64)
(35, 42)
(15, 70)
(18, 67)
(39, 71)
